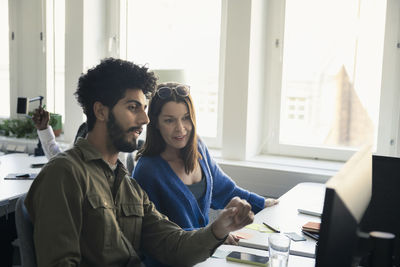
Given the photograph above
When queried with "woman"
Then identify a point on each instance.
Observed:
(175, 167)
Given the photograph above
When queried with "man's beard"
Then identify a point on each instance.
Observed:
(117, 135)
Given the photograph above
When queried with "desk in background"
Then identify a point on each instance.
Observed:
(286, 218)
(11, 190)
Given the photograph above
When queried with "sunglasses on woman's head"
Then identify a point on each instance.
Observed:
(180, 90)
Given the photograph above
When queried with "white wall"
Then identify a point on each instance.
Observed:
(257, 80)
(237, 49)
(271, 182)
(27, 61)
(85, 46)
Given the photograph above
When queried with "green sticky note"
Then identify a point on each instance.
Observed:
(254, 226)
(259, 227)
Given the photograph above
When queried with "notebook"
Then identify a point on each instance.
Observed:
(311, 227)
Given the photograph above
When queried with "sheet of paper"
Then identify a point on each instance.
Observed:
(259, 227)
(220, 254)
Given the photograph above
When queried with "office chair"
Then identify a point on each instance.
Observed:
(25, 234)
(82, 131)
(130, 157)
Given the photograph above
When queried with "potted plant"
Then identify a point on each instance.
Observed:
(24, 127)
(19, 128)
(56, 123)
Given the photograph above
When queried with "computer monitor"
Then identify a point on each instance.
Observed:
(347, 196)
(383, 212)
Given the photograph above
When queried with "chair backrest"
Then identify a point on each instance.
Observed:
(25, 234)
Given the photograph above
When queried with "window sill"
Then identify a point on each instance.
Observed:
(24, 145)
(271, 175)
(303, 165)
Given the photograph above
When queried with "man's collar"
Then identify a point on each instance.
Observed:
(88, 150)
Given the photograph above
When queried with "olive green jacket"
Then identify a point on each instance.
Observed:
(85, 214)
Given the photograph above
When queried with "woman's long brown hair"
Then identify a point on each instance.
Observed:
(155, 144)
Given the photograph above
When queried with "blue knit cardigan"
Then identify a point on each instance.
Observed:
(175, 200)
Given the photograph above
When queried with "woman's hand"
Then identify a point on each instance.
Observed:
(269, 202)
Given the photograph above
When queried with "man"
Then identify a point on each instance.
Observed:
(41, 119)
(86, 210)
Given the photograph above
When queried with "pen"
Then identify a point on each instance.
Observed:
(24, 175)
(272, 228)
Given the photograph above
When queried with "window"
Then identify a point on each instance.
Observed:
(55, 56)
(180, 41)
(330, 84)
(4, 60)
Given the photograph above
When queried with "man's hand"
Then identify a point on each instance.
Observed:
(269, 202)
(232, 240)
(41, 118)
(236, 215)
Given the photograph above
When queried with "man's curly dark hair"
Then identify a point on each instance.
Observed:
(108, 82)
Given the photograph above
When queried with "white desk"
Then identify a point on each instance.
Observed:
(294, 261)
(10, 190)
(286, 218)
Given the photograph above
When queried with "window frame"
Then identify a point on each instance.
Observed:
(387, 134)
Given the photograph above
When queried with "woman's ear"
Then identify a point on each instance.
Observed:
(100, 111)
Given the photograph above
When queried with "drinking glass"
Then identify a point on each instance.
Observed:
(279, 245)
